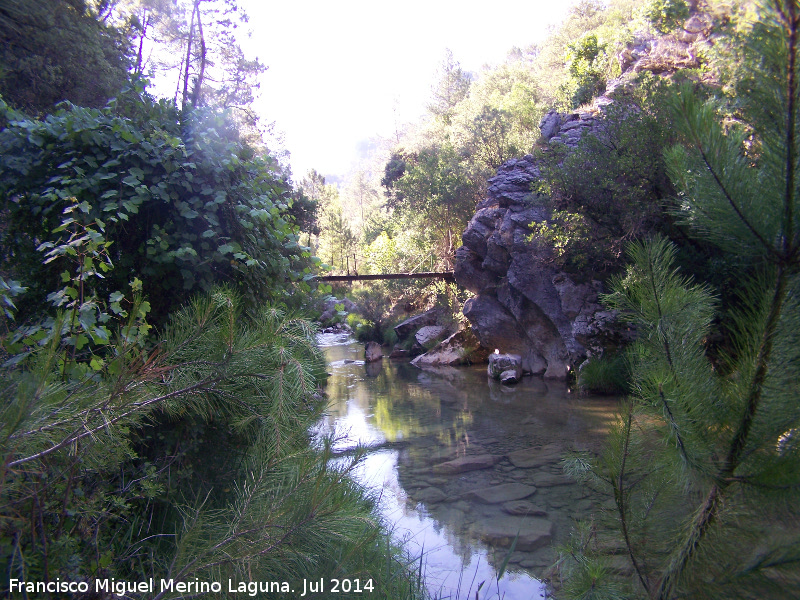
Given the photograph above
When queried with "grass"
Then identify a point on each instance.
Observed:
(608, 374)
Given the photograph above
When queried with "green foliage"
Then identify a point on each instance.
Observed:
(703, 467)
(587, 60)
(667, 15)
(568, 235)
(189, 461)
(433, 188)
(607, 374)
(613, 186)
(183, 202)
(451, 88)
(53, 50)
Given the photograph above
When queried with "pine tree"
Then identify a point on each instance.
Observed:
(704, 465)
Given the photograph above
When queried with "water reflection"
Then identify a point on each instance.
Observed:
(467, 465)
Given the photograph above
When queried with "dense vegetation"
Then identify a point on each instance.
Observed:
(159, 374)
(703, 464)
(160, 378)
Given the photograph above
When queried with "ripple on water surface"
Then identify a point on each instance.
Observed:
(466, 466)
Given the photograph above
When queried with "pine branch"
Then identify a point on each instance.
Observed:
(137, 407)
(619, 497)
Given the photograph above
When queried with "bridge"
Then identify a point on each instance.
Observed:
(446, 275)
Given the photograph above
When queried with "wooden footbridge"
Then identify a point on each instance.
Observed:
(446, 275)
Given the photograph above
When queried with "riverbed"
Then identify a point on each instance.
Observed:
(466, 467)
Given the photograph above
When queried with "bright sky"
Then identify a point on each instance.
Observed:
(343, 71)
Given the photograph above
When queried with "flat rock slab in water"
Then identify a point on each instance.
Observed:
(467, 463)
(429, 495)
(524, 508)
(550, 480)
(501, 493)
(530, 458)
(533, 532)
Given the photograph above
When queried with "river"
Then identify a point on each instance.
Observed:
(466, 466)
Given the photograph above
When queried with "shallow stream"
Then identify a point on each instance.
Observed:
(466, 465)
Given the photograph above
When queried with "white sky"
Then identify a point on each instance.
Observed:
(343, 71)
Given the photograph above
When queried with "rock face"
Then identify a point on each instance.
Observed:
(525, 305)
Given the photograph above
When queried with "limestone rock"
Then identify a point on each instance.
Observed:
(467, 463)
(524, 305)
(429, 333)
(398, 352)
(332, 307)
(412, 324)
(460, 348)
(505, 365)
(510, 376)
(550, 124)
(505, 492)
(372, 352)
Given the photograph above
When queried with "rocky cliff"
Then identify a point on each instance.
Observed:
(523, 304)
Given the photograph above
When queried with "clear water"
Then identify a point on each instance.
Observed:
(420, 419)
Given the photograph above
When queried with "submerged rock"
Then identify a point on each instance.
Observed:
(429, 495)
(529, 458)
(467, 463)
(501, 493)
(523, 508)
(531, 533)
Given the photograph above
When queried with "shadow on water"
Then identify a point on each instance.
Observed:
(468, 465)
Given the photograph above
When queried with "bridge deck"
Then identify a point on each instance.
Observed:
(448, 275)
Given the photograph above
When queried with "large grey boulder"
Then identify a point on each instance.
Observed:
(550, 124)
(524, 304)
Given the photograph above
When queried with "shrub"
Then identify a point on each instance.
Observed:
(185, 204)
(607, 374)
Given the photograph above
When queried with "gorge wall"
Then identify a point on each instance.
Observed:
(524, 304)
